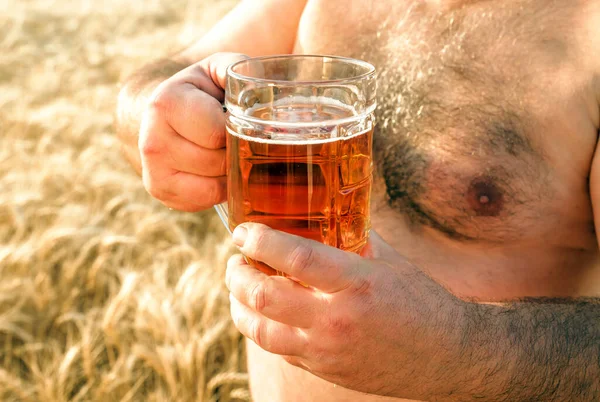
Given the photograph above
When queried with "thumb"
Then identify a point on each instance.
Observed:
(216, 66)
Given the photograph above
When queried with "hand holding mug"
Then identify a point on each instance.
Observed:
(366, 323)
(182, 137)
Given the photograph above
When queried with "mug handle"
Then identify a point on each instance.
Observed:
(223, 214)
(222, 207)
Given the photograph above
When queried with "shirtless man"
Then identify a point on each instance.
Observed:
(486, 188)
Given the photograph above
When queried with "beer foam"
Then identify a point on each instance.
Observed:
(295, 139)
(306, 100)
(336, 116)
(350, 115)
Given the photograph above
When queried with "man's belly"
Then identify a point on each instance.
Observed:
(274, 380)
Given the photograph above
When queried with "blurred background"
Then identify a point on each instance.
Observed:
(105, 294)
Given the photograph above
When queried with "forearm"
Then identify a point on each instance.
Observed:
(535, 350)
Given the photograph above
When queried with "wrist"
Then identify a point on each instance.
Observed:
(449, 348)
(481, 354)
(438, 342)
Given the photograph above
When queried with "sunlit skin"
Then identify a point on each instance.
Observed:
(485, 193)
(333, 323)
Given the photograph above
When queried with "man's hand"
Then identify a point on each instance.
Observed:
(379, 325)
(182, 137)
(364, 323)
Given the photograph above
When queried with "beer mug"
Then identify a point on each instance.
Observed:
(299, 147)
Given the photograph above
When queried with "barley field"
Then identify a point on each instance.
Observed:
(105, 295)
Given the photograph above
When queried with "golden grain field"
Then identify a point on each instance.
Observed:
(105, 295)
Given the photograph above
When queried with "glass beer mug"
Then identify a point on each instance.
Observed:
(299, 147)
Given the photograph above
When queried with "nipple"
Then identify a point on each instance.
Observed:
(484, 197)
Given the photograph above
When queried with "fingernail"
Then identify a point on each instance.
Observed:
(239, 236)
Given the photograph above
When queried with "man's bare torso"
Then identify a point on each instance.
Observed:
(488, 122)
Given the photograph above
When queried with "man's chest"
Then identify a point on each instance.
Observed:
(483, 120)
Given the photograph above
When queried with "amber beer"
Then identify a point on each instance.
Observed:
(318, 188)
(299, 153)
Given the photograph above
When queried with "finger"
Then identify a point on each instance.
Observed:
(277, 298)
(323, 267)
(190, 112)
(177, 189)
(199, 190)
(160, 146)
(270, 335)
(210, 74)
(217, 65)
(185, 191)
(188, 157)
(191, 100)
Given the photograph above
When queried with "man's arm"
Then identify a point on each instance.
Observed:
(535, 350)
(254, 27)
(379, 325)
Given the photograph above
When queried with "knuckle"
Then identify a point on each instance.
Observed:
(261, 235)
(257, 333)
(362, 286)
(258, 296)
(339, 326)
(162, 99)
(149, 145)
(301, 258)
